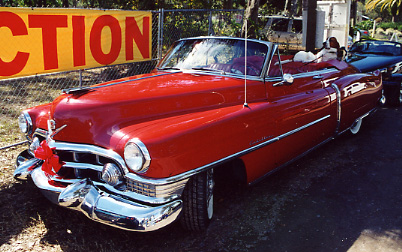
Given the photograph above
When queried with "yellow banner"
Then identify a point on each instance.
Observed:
(38, 41)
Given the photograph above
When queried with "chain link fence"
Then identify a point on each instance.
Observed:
(167, 26)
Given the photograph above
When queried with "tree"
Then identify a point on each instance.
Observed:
(291, 7)
(394, 6)
(251, 17)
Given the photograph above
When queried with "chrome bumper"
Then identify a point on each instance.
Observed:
(98, 204)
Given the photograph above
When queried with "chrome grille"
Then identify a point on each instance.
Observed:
(141, 188)
(87, 162)
(171, 190)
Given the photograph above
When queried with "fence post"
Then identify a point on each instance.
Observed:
(160, 33)
(80, 77)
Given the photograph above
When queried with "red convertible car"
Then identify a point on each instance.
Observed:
(139, 153)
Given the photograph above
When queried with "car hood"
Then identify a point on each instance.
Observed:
(94, 116)
(371, 62)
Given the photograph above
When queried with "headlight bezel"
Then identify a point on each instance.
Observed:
(141, 149)
(28, 125)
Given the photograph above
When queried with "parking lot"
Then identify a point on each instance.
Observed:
(344, 196)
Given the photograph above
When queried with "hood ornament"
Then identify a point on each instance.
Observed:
(52, 131)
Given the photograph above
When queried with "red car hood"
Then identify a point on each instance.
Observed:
(94, 116)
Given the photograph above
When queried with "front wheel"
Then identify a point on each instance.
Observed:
(198, 201)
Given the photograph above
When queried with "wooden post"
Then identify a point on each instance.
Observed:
(311, 25)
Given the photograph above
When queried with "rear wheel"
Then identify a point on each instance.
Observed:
(356, 126)
(198, 202)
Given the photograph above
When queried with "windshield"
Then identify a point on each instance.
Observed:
(222, 55)
(377, 47)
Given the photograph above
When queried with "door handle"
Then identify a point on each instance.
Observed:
(317, 77)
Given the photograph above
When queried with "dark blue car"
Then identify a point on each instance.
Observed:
(386, 56)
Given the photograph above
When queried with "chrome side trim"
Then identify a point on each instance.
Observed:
(225, 159)
(291, 161)
(338, 106)
(304, 75)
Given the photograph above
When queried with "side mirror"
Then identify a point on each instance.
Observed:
(287, 79)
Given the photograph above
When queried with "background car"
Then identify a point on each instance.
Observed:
(286, 31)
(386, 56)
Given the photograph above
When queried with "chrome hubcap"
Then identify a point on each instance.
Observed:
(210, 193)
(356, 126)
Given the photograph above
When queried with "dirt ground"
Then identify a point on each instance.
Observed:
(344, 196)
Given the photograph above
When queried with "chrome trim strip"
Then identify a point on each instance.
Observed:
(74, 165)
(338, 106)
(291, 161)
(220, 161)
(304, 75)
(41, 132)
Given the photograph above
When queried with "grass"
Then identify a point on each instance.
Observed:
(28, 221)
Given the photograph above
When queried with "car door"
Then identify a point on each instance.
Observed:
(304, 108)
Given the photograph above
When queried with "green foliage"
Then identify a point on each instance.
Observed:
(392, 25)
(364, 25)
(121, 4)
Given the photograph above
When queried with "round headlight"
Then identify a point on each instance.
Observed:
(136, 155)
(25, 123)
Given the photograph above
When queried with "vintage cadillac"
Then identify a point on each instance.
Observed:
(140, 152)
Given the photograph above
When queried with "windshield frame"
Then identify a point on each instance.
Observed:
(363, 47)
(255, 47)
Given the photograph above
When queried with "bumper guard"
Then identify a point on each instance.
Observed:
(100, 205)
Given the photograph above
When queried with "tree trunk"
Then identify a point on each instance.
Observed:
(293, 8)
(227, 4)
(285, 8)
(251, 15)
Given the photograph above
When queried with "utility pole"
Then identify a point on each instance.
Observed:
(311, 6)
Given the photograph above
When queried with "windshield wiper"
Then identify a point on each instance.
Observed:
(208, 69)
